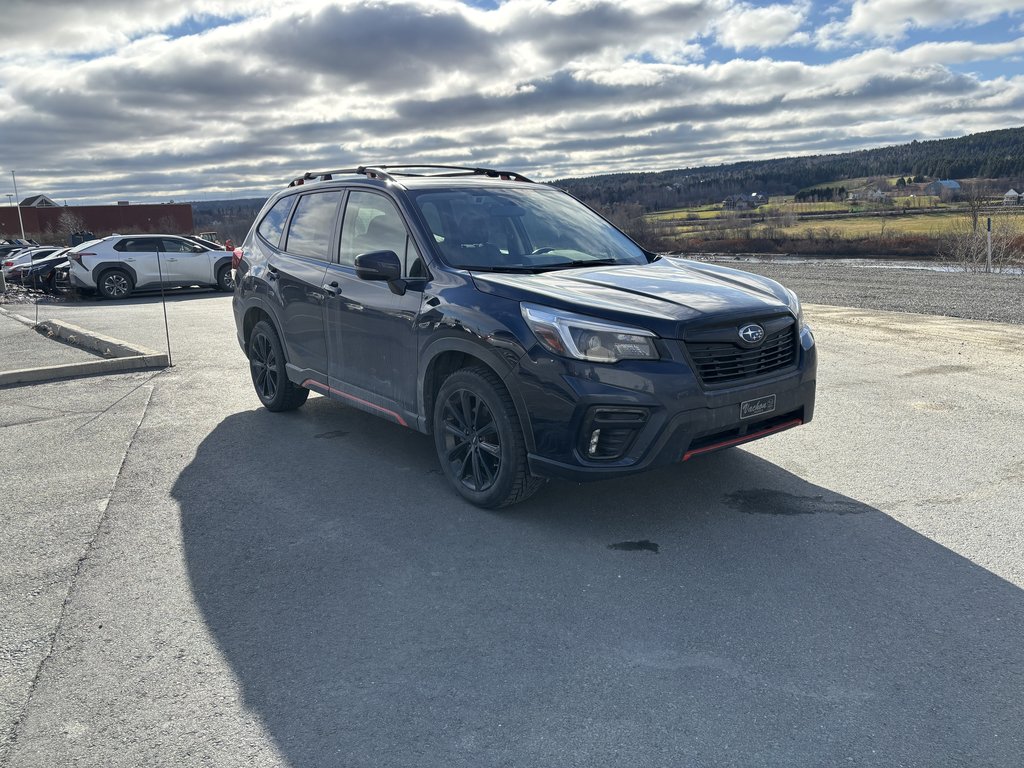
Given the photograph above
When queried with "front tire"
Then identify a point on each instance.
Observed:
(115, 284)
(267, 368)
(479, 441)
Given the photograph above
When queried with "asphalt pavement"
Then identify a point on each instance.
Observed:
(188, 579)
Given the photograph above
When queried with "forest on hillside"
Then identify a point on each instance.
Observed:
(991, 155)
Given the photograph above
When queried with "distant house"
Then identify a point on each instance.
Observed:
(943, 186)
(744, 202)
(870, 195)
(1013, 197)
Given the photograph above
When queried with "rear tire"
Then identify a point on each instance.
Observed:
(115, 284)
(267, 368)
(225, 282)
(479, 441)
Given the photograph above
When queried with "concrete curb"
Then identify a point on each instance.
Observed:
(116, 356)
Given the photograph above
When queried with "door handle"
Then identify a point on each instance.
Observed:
(332, 288)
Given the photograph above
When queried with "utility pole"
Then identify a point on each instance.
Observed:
(988, 258)
(20, 222)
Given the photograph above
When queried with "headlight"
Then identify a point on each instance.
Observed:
(587, 338)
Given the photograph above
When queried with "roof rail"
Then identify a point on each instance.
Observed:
(391, 172)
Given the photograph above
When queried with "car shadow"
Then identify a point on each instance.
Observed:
(722, 612)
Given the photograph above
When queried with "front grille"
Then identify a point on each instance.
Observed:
(722, 362)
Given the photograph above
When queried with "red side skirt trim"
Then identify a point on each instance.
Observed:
(312, 384)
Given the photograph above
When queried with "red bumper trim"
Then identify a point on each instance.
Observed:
(744, 439)
(312, 384)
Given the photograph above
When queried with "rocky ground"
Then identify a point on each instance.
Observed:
(996, 297)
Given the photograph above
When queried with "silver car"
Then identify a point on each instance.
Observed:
(118, 265)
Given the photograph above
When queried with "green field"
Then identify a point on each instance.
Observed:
(783, 218)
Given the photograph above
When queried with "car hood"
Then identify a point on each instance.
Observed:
(659, 295)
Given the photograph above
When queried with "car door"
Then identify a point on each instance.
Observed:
(187, 263)
(140, 254)
(297, 270)
(371, 329)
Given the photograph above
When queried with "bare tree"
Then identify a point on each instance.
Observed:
(67, 225)
(966, 244)
(974, 194)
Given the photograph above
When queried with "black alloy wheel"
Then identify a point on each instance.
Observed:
(269, 376)
(479, 441)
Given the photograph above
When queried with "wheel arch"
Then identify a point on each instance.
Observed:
(103, 266)
(253, 315)
(444, 357)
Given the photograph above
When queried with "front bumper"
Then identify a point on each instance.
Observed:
(682, 419)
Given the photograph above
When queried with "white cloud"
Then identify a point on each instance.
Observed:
(747, 26)
(561, 88)
(891, 19)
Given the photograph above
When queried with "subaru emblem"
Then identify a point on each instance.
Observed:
(752, 334)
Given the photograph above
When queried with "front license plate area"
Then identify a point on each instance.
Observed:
(757, 407)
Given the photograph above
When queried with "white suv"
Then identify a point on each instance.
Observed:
(117, 265)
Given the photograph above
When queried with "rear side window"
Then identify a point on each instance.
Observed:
(138, 245)
(313, 224)
(272, 226)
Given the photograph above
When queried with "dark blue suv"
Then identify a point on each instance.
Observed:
(528, 335)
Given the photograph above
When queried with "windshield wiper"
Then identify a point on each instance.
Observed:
(579, 263)
(515, 269)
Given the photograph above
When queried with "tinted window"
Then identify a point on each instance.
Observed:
(137, 245)
(313, 224)
(373, 223)
(272, 226)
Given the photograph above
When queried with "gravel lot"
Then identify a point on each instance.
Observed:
(993, 297)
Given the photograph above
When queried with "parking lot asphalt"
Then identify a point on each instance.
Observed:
(188, 579)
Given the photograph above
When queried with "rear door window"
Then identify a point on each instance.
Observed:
(138, 245)
(313, 224)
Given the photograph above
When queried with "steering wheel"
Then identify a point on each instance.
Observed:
(542, 249)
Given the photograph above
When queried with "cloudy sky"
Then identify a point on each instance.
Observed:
(153, 100)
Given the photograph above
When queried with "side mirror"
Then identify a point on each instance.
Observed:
(381, 265)
(378, 265)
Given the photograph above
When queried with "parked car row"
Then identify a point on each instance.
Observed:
(34, 266)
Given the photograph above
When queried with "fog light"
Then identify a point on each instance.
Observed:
(595, 438)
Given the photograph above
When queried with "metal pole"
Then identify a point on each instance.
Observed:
(163, 301)
(20, 222)
(988, 259)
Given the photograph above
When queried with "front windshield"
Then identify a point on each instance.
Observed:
(533, 229)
